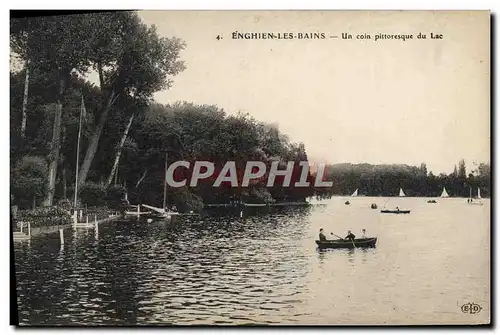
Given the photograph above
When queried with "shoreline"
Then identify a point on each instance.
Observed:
(47, 230)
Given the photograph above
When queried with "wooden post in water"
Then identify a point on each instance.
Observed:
(165, 185)
(138, 211)
(22, 223)
(87, 220)
(75, 219)
(29, 229)
(61, 236)
(96, 227)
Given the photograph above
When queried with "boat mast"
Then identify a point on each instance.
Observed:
(165, 184)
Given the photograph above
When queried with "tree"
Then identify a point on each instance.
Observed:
(423, 169)
(25, 102)
(29, 180)
(119, 151)
(461, 169)
(56, 46)
(143, 65)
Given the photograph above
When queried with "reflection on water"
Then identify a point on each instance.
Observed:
(260, 269)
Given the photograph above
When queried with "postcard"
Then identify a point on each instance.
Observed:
(251, 168)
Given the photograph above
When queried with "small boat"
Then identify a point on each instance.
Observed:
(395, 211)
(374, 206)
(432, 201)
(347, 203)
(347, 244)
(444, 194)
(401, 193)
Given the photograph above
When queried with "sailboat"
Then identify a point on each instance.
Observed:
(165, 212)
(476, 201)
(355, 194)
(401, 193)
(444, 194)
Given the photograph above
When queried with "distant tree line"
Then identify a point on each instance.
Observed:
(386, 180)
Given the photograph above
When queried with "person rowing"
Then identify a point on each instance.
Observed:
(322, 236)
(350, 236)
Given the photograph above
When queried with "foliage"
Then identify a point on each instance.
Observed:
(97, 195)
(29, 180)
(92, 194)
(115, 194)
(46, 216)
(202, 132)
(141, 66)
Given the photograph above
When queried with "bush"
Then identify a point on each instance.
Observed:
(114, 196)
(186, 201)
(29, 180)
(65, 204)
(45, 216)
(100, 212)
(92, 194)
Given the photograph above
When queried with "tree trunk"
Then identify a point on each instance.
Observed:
(65, 189)
(142, 178)
(62, 163)
(119, 151)
(25, 103)
(55, 146)
(94, 142)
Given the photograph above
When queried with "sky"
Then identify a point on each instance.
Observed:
(385, 101)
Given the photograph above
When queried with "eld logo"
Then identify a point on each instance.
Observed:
(471, 308)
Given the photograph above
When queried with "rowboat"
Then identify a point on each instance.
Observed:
(395, 211)
(349, 244)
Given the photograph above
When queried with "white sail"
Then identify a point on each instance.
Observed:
(401, 193)
(444, 194)
(355, 194)
(478, 193)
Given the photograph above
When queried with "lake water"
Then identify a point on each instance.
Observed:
(265, 269)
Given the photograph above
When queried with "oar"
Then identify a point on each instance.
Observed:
(337, 236)
(354, 245)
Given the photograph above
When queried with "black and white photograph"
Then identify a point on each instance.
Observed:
(250, 167)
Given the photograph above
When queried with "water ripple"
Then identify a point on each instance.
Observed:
(260, 270)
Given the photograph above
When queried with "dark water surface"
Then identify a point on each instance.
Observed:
(265, 269)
